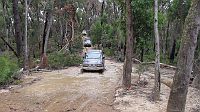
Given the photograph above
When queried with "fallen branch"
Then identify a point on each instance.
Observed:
(44, 70)
(162, 65)
(10, 47)
(34, 69)
(37, 69)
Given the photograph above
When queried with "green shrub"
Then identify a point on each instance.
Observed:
(7, 69)
(60, 60)
(108, 52)
(77, 45)
(149, 57)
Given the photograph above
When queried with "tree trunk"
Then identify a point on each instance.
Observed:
(73, 34)
(142, 53)
(178, 94)
(26, 63)
(156, 89)
(38, 45)
(102, 11)
(7, 21)
(66, 30)
(18, 33)
(172, 54)
(114, 9)
(47, 27)
(61, 32)
(166, 38)
(129, 46)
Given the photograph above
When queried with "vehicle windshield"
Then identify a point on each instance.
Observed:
(93, 56)
(87, 41)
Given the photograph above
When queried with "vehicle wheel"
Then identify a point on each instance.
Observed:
(82, 70)
(101, 71)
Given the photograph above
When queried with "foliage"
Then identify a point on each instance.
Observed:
(77, 45)
(143, 23)
(141, 68)
(110, 35)
(108, 52)
(7, 69)
(107, 29)
(149, 57)
(178, 9)
(96, 32)
(60, 60)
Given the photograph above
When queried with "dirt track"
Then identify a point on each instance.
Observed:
(64, 91)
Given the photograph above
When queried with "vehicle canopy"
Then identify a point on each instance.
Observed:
(93, 55)
(97, 53)
(84, 32)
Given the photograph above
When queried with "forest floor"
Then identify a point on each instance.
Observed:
(68, 90)
(138, 98)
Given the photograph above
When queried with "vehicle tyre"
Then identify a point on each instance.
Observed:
(87, 45)
(82, 70)
(101, 71)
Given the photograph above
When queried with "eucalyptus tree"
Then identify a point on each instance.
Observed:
(47, 27)
(26, 63)
(127, 68)
(7, 20)
(156, 90)
(179, 90)
(17, 26)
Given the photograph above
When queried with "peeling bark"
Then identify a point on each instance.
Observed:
(178, 94)
(156, 89)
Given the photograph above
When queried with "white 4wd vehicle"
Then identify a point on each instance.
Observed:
(93, 60)
(87, 42)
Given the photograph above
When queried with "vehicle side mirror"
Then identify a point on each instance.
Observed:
(103, 57)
